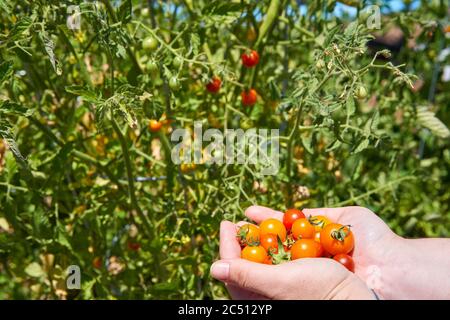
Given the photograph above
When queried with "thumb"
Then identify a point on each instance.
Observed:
(256, 277)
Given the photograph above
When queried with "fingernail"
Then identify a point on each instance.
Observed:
(220, 270)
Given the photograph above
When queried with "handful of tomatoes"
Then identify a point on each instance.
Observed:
(297, 237)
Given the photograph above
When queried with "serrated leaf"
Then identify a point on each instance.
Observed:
(350, 106)
(9, 107)
(49, 46)
(307, 143)
(222, 7)
(6, 70)
(194, 43)
(428, 120)
(84, 92)
(34, 270)
(351, 28)
(362, 145)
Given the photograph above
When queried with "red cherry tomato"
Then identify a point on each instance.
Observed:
(249, 97)
(214, 85)
(250, 59)
(346, 261)
(290, 216)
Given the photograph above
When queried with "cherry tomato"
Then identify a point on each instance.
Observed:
(174, 84)
(336, 238)
(150, 44)
(214, 85)
(304, 248)
(320, 251)
(319, 222)
(273, 226)
(250, 59)
(177, 62)
(317, 236)
(254, 253)
(302, 229)
(134, 246)
(269, 242)
(361, 92)
(154, 125)
(97, 262)
(249, 97)
(152, 66)
(346, 261)
(290, 216)
(248, 234)
(187, 167)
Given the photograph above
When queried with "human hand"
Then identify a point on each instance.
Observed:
(300, 279)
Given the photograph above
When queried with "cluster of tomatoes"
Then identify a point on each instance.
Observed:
(249, 97)
(297, 237)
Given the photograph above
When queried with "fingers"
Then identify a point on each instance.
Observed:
(333, 213)
(258, 278)
(259, 214)
(229, 246)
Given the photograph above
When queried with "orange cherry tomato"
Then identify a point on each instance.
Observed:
(254, 253)
(336, 238)
(302, 229)
(154, 125)
(273, 226)
(269, 242)
(319, 222)
(317, 236)
(305, 248)
(248, 234)
(346, 261)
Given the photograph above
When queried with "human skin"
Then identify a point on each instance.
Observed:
(394, 267)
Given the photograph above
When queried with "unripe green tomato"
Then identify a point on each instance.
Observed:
(174, 84)
(320, 64)
(145, 12)
(361, 92)
(150, 44)
(152, 66)
(177, 62)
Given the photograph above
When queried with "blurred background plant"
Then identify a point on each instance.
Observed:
(86, 116)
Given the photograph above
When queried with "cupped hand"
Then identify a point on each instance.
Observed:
(318, 278)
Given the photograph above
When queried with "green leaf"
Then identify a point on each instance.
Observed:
(124, 11)
(428, 120)
(34, 270)
(84, 92)
(307, 143)
(222, 8)
(49, 48)
(275, 93)
(350, 106)
(362, 145)
(6, 70)
(8, 107)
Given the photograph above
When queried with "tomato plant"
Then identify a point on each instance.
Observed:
(82, 172)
